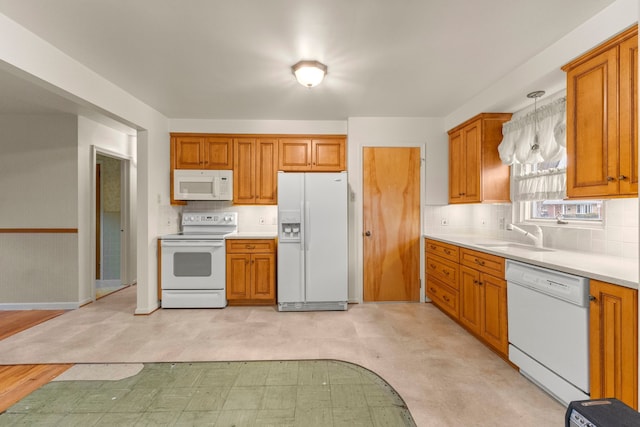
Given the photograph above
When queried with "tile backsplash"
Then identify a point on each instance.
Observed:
(618, 237)
(250, 218)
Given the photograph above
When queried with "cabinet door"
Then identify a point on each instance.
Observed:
(294, 155)
(470, 298)
(244, 171)
(218, 153)
(238, 276)
(328, 155)
(613, 342)
(472, 145)
(592, 97)
(263, 276)
(266, 172)
(628, 138)
(493, 327)
(188, 151)
(456, 168)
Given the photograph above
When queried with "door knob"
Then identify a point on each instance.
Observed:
(367, 233)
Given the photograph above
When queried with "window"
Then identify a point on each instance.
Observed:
(573, 210)
(534, 182)
(534, 145)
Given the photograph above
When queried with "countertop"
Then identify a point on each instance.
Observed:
(616, 270)
(253, 235)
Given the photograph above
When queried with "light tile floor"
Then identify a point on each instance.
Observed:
(286, 393)
(446, 377)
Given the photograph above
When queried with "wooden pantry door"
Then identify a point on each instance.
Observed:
(391, 223)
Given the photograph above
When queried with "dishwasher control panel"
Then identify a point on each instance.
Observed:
(567, 287)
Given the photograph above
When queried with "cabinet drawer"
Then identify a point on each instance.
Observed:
(481, 261)
(444, 250)
(443, 270)
(248, 246)
(443, 296)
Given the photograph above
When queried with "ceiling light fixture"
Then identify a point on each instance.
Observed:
(309, 73)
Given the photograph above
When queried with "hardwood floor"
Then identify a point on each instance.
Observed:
(17, 381)
(14, 321)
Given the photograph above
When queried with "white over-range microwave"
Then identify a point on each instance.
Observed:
(202, 184)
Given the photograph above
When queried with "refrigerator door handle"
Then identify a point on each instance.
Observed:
(307, 225)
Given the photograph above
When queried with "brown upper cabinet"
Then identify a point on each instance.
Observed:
(255, 171)
(602, 129)
(318, 155)
(256, 159)
(194, 151)
(476, 173)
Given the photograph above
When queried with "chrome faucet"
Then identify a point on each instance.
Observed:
(536, 237)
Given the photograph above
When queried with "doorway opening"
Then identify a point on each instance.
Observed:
(110, 211)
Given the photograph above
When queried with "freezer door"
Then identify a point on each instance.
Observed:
(290, 272)
(290, 249)
(325, 237)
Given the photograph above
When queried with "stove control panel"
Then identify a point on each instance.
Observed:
(209, 218)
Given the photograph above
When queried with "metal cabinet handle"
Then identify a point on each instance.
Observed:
(433, 290)
(446, 272)
(592, 298)
(250, 246)
(480, 283)
(447, 251)
(610, 178)
(475, 282)
(432, 266)
(446, 298)
(622, 177)
(478, 261)
(367, 233)
(432, 246)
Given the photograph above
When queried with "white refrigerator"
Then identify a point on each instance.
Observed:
(312, 241)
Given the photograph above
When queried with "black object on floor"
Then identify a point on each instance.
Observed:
(601, 413)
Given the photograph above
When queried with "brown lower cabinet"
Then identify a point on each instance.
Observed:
(483, 298)
(613, 342)
(469, 287)
(251, 271)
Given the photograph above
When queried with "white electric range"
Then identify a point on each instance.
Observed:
(193, 261)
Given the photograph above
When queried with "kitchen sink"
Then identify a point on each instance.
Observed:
(509, 246)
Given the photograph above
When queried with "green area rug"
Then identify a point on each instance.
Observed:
(273, 393)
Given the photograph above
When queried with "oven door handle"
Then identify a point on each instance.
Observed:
(192, 243)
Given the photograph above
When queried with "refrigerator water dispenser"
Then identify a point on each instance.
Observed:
(290, 230)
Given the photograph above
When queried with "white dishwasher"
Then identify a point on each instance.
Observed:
(548, 314)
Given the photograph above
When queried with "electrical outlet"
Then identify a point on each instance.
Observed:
(444, 221)
(501, 223)
(261, 220)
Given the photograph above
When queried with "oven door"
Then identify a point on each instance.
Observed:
(193, 264)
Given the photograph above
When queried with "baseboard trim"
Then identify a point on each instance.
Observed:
(40, 306)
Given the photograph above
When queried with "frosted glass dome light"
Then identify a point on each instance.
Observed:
(309, 73)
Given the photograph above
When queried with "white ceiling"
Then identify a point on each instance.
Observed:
(231, 59)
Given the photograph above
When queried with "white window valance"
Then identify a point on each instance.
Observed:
(519, 135)
(547, 184)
